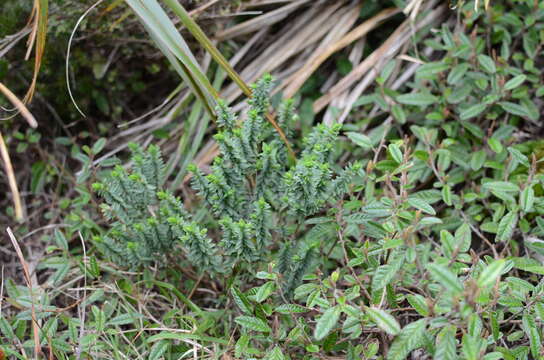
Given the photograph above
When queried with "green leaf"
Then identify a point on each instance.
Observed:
(472, 111)
(410, 338)
(398, 113)
(469, 345)
(503, 186)
(417, 99)
(419, 304)
(487, 63)
(421, 205)
(518, 156)
(506, 226)
(326, 322)
(241, 301)
(60, 239)
(514, 82)
(395, 152)
(290, 309)
(491, 273)
(446, 195)
(275, 354)
(360, 140)
(495, 145)
(445, 277)
(477, 160)
(514, 109)
(99, 145)
(527, 198)
(531, 329)
(383, 320)
(253, 323)
(158, 349)
(446, 344)
(457, 73)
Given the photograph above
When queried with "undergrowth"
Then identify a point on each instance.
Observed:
(418, 237)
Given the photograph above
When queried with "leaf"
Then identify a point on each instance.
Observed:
(504, 186)
(241, 301)
(506, 226)
(419, 304)
(487, 63)
(517, 155)
(253, 323)
(421, 205)
(472, 111)
(463, 238)
(445, 277)
(360, 140)
(410, 338)
(60, 239)
(527, 198)
(446, 344)
(99, 145)
(275, 354)
(446, 195)
(491, 273)
(385, 273)
(158, 349)
(514, 109)
(417, 99)
(326, 322)
(457, 73)
(383, 320)
(514, 82)
(531, 329)
(395, 152)
(290, 309)
(495, 145)
(477, 160)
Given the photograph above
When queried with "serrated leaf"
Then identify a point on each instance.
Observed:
(527, 198)
(457, 73)
(503, 186)
(421, 205)
(445, 277)
(410, 338)
(472, 111)
(516, 154)
(506, 226)
(158, 349)
(515, 82)
(417, 99)
(446, 344)
(383, 320)
(252, 323)
(241, 301)
(419, 304)
(290, 309)
(60, 239)
(275, 354)
(531, 329)
(326, 322)
(487, 63)
(360, 140)
(491, 273)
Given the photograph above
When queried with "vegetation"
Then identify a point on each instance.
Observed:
(392, 209)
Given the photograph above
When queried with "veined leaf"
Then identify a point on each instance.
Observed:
(515, 82)
(445, 277)
(326, 322)
(410, 338)
(253, 323)
(491, 273)
(446, 347)
(417, 99)
(487, 63)
(504, 186)
(506, 226)
(421, 205)
(385, 321)
(527, 198)
(472, 111)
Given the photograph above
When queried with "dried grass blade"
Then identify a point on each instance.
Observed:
(19, 105)
(17, 203)
(303, 74)
(255, 24)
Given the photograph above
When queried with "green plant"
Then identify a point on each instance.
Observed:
(258, 202)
